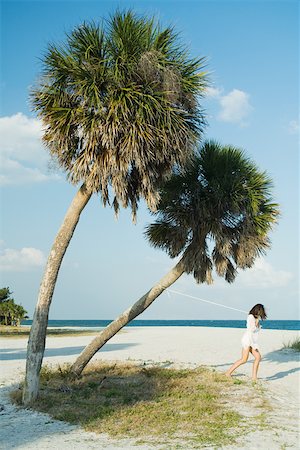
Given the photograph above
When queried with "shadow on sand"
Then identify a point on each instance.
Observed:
(20, 353)
(14, 419)
(282, 374)
(285, 355)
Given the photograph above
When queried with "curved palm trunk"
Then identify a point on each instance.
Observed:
(143, 303)
(37, 337)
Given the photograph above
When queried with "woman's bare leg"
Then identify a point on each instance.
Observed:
(257, 360)
(243, 360)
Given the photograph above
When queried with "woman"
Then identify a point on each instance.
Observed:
(249, 340)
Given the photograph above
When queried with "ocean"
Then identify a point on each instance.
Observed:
(268, 324)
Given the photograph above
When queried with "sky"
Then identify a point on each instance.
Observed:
(252, 49)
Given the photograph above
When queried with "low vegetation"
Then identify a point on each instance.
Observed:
(148, 403)
(294, 344)
(10, 331)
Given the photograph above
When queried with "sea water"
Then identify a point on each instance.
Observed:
(267, 324)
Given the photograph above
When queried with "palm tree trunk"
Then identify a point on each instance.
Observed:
(140, 306)
(37, 337)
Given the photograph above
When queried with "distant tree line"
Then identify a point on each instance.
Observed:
(10, 312)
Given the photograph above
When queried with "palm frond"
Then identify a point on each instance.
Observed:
(119, 103)
(223, 203)
(167, 236)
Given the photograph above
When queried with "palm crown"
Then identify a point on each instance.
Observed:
(119, 106)
(216, 214)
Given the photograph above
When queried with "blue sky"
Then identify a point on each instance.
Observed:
(253, 103)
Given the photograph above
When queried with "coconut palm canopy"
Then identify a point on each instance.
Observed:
(215, 214)
(119, 106)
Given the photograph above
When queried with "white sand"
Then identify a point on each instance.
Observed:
(186, 346)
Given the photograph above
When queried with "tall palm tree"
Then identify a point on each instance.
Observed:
(119, 104)
(215, 215)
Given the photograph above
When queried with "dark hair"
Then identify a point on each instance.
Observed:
(258, 311)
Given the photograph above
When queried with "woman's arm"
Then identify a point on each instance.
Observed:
(251, 323)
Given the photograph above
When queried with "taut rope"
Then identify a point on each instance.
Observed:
(206, 301)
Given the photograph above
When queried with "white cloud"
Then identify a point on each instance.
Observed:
(212, 92)
(293, 127)
(235, 107)
(21, 138)
(23, 157)
(263, 275)
(21, 260)
(13, 172)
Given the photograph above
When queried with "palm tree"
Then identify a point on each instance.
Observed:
(4, 307)
(4, 294)
(20, 314)
(119, 104)
(12, 311)
(5, 312)
(215, 215)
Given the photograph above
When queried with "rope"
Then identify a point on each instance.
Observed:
(206, 301)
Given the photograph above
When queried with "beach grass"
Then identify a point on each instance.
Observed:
(148, 404)
(11, 331)
(294, 344)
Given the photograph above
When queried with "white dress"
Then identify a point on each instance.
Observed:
(250, 337)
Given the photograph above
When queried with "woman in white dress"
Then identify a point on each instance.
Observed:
(249, 340)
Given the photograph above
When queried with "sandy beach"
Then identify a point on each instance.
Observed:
(190, 347)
